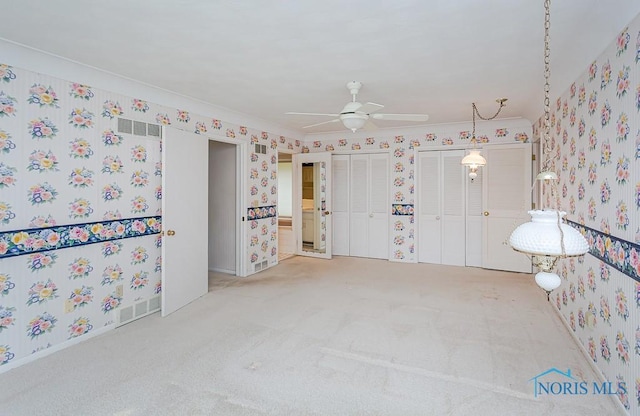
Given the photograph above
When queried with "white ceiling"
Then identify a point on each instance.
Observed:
(266, 57)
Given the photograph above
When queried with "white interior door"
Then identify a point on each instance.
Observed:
(340, 194)
(312, 206)
(474, 220)
(441, 208)
(184, 218)
(429, 221)
(507, 197)
(379, 206)
(369, 205)
(359, 201)
(453, 208)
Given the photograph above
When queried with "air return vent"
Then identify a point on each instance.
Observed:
(125, 126)
(260, 266)
(138, 128)
(153, 130)
(138, 310)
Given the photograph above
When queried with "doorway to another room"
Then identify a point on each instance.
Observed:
(286, 237)
(222, 207)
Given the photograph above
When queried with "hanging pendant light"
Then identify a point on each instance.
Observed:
(474, 159)
(547, 237)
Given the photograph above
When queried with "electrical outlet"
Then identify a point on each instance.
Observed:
(119, 291)
(68, 306)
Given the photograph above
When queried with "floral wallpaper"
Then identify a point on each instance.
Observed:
(595, 149)
(402, 152)
(80, 207)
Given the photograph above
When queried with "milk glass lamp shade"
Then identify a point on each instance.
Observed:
(542, 237)
(473, 159)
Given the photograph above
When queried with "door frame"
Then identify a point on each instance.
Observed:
(241, 185)
(293, 199)
(298, 159)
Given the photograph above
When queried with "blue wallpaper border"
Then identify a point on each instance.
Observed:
(258, 213)
(402, 209)
(622, 255)
(36, 240)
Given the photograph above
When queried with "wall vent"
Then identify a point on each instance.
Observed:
(138, 128)
(126, 314)
(141, 309)
(153, 130)
(125, 126)
(154, 304)
(138, 310)
(261, 266)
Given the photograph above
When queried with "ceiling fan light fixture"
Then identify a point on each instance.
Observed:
(353, 121)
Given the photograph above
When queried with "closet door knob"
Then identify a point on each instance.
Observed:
(486, 213)
(171, 232)
(438, 217)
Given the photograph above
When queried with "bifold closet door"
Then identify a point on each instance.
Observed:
(369, 206)
(340, 166)
(442, 208)
(429, 225)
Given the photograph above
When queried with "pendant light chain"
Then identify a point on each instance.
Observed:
(475, 113)
(547, 75)
(547, 118)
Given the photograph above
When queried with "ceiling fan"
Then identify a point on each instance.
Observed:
(355, 115)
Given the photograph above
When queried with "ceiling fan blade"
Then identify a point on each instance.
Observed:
(401, 117)
(369, 126)
(369, 108)
(319, 124)
(314, 114)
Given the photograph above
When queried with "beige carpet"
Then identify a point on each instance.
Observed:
(315, 337)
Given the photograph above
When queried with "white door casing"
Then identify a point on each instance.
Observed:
(184, 218)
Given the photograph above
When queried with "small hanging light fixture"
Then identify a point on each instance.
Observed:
(547, 237)
(474, 159)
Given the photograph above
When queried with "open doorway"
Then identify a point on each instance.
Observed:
(222, 207)
(286, 237)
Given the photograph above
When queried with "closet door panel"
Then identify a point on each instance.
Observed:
(507, 191)
(453, 210)
(474, 221)
(429, 225)
(340, 204)
(359, 216)
(379, 206)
